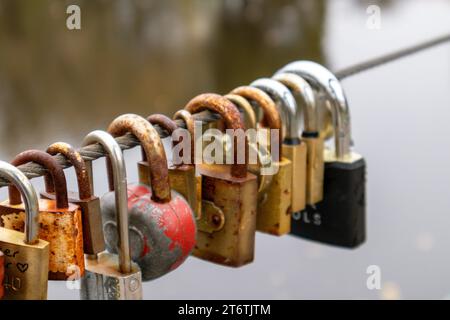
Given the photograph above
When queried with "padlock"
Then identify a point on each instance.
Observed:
(182, 176)
(59, 221)
(274, 202)
(293, 147)
(162, 224)
(339, 219)
(93, 241)
(113, 276)
(2, 273)
(25, 255)
(310, 135)
(227, 227)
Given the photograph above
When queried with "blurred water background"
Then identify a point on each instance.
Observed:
(153, 56)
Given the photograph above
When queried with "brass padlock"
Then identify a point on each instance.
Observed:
(111, 276)
(182, 174)
(274, 202)
(26, 256)
(293, 147)
(311, 134)
(227, 228)
(93, 241)
(59, 221)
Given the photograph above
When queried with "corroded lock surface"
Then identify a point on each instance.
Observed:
(162, 225)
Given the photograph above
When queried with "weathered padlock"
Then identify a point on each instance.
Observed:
(340, 218)
(227, 227)
(111, 276)
(26, 256)
(182, 174)
(310, 135)
(274, 202)
(93, 242)
(2, 273)
(59, 221)
(293, 147)
(162, 225)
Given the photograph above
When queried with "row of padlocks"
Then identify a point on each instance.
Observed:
(139, 232)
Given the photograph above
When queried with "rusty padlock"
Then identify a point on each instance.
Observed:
(26, 256)
(310, 135)
(182, 174)
(274, 202)
(60, 221)
(93, 241)
(293, 147)
(162, 225)
(227, 227)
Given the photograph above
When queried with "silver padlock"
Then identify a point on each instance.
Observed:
(109, 276)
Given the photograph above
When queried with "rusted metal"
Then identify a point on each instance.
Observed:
(272, 118)
(244, 105)
(55, 170)
(151, 143)
(60, 222)
(232, 118)
(84, 185)
(93, 241)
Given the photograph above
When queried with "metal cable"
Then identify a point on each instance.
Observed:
(370, 64)
(93, 152)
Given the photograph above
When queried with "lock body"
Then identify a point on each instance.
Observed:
(26, 266)
(162, 235)
(93, 241)
(227, 229)
(314, 169)
(183, 179)
(296, 152)
(274, 203)
(339, 219)
(103, 280)
(61, 228)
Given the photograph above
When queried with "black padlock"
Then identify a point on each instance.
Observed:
(339, 219)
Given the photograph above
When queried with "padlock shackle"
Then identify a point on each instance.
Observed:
(290, 114)
(301, 88)
(74, 157)
(55, 171)
(232, 118)
(246, 107)
(165, 123)
(189, 120)
(272, 116)
(154, 149)
(26, 189)
(119, 175)
(330, 89)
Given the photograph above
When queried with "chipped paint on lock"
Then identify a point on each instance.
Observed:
(161, 234)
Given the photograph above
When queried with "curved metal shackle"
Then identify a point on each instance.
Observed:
(246, 107)
(323, 80)
(189, 120)
(232, 118)
(55, 171)
(154, 150)
(272, 116)
(77, 161)
(26, 189)
(165, 123)
(290, 114)
(300, 87)
(117, 161)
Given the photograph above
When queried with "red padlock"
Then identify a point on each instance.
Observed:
(162, 225)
